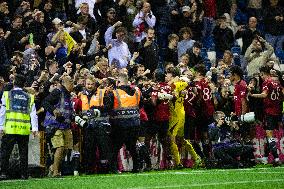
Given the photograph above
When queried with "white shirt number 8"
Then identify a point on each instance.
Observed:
(206, 94)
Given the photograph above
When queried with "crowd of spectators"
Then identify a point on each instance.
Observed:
(219, 50)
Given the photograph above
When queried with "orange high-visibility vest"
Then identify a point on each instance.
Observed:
(123, 101)
(96, 100)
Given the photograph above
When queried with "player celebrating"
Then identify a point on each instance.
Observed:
(206, 105)
(272, 93)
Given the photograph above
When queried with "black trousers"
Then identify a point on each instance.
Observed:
(97, 137)
(8, 142)
(127, 135)
(228, 154)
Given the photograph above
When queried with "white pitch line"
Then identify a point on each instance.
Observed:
(208, 184)
(208, 173)
(193, 172)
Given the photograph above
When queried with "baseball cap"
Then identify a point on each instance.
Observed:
(185, 9)
(56, 21)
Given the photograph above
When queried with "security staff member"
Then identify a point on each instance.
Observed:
(125, 119)
(94, 108)
(17, 119)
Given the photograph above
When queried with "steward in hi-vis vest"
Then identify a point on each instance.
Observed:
(18, 109)
(125, 119)
(95, 103)
(126, 107)
(94, 110)
(17, 118)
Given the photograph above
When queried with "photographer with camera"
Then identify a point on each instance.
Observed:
(94, 107)
(58, 105)
(225, 148)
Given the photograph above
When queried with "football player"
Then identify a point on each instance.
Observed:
(272, 93)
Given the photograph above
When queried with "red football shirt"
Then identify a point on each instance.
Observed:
(190, 101)
(204, 93)
(272, 103)
(162, 110)
(240, 93)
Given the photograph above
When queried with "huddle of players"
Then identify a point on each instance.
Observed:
(184, 107)
(178, 109)
(183, 110)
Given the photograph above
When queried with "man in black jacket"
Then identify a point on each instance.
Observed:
(248, 33)
(4, 59)
(274, 25)
(18, 37)
(226, 149)
(194, 55)
(223, 37)
(148, 51)
(4, 15)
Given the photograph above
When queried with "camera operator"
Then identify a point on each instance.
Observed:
(94, 110)
(58, 105)
(225, 148)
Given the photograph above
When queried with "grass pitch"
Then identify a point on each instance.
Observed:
(254, 178)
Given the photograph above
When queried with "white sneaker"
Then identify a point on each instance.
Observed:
(263, 160)
(76, 173)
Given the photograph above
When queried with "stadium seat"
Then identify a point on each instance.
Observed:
(237, 60)
(240, 42)
(236, 50)
(212, 56)
(208, 42)
(280, 54)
